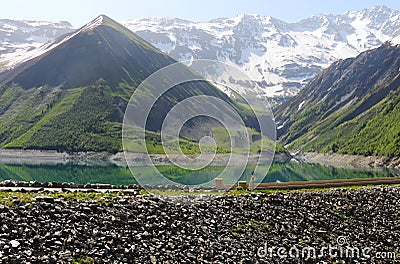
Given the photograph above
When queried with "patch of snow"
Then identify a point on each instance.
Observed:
(300, 105)
(395, 41)
(166, 47)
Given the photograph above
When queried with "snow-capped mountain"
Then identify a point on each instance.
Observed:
(18, 38)
(282, 57)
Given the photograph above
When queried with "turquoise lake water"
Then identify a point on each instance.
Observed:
(112, 174)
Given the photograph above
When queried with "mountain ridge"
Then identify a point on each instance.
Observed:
(282, 57)
(352, 107)
(17, 37)
(89, 65)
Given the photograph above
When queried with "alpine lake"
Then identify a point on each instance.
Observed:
(108, 173)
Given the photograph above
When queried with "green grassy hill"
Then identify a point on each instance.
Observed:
(351, 108)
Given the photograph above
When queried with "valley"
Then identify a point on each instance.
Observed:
(235, 139)
(341, 108)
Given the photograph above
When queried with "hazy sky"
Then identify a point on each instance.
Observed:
(79, 12)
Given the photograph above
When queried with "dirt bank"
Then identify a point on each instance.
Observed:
(350, 161)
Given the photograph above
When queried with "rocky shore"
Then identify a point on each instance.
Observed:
(52, 157)
(246, 228)
(350, 161)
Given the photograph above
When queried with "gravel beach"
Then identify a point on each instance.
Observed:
(246, 228)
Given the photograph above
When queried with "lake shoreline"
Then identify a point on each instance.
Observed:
(52, 157)
(349, 161)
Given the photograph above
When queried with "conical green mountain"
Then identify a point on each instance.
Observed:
(101, 49)
(73, 94)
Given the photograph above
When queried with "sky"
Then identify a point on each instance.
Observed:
(79, 12)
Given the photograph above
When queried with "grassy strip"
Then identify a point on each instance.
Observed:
(84, 260)
(11, 198)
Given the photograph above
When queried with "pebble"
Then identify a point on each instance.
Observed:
(14, 243)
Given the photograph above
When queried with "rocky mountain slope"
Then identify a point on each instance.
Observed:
(282, 57)
(18, 37)
(352, 107)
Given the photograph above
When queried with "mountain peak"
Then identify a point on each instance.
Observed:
(101, 20)
(380, 8)
(100, 49)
